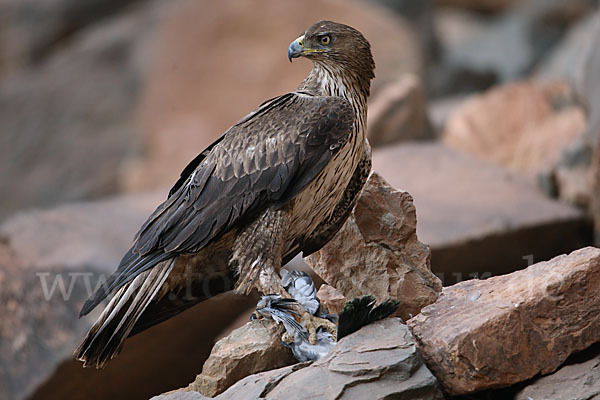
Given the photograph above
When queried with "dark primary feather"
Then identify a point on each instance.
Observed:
(266, 158)
(361, 312)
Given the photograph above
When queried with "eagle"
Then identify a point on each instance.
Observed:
(281, 181)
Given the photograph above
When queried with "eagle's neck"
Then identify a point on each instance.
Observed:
(327, 81)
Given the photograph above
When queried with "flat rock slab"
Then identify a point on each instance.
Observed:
(380, 361)
(483, 334)
(478, 219)
(580, 379)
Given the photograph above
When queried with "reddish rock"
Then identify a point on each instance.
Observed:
(253, 348)
(398, 113)
(471, 211)
(331, 298)
(517, 126)
(491, 333)
(377, 251)
(379, 361)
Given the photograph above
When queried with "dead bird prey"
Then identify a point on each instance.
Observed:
(279, 182)
(298, 325)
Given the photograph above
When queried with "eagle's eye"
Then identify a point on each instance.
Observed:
(325, 40)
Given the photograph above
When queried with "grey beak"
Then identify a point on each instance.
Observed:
(295, 50)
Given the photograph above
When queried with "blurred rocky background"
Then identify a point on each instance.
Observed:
(485, 115)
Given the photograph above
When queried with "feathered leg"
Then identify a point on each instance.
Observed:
(257, 252)
(105, 338)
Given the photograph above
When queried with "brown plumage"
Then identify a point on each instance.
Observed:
(281, 181)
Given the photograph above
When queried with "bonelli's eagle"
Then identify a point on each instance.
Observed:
(280, 181)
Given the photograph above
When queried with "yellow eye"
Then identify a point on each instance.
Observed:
(325, 40)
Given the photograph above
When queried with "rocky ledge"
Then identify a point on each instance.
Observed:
(473, 336)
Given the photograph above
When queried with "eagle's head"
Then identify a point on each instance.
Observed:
(334, 45)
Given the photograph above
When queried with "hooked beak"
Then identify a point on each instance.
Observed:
(296, 48)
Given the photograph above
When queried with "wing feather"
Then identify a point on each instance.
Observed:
(265, 159)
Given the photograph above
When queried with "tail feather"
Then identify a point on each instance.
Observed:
(362, 311)
(106, 337)
(130, 266)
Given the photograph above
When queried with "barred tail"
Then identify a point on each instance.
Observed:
(105, 338)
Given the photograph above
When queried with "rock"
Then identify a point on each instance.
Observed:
(591, 84)
(74, 111)
(377, 251)
(471, 211)
(455, 29)
(490, 333)
(573, 184)
(480, 54)
(479, 5)
(420, 15)
(580, 379)
(398, 113)
(29, 30)
(504, 47)
(379, 361)
(198, 88)
(591, 91)
(441, 109)
(253, 348)
(90, 235)
(567, 60)
(531, 128)
(50, 261)
(522, 126)
(252, 387)
(331, 298)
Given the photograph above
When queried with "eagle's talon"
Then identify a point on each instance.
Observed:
(313, 323)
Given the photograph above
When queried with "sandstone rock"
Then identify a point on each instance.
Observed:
(255, 347)
(398, 113)
(331, 298)
(198, 88)
(492, 333)
(577, 379)
(471, 211)
(377, 251)
(523, 126)
(379, 361)
(49, 263)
